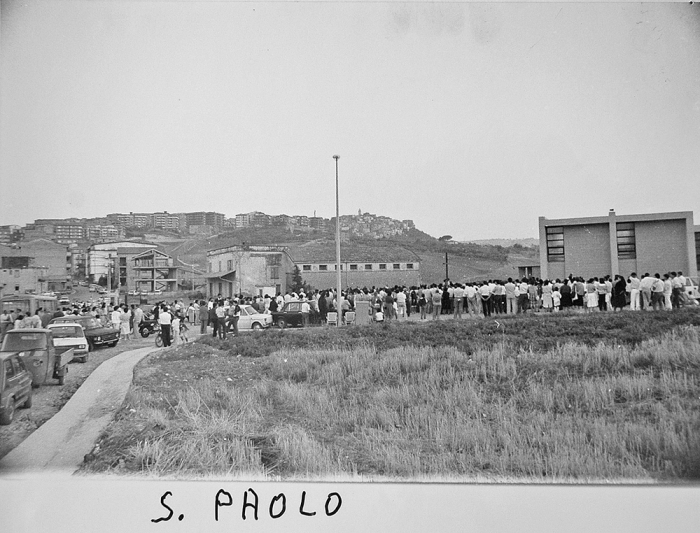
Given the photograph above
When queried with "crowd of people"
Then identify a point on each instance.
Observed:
(475, 299)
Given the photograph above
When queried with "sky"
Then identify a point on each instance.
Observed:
(472, 120)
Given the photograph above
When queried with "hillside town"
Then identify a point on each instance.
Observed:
(124, 251)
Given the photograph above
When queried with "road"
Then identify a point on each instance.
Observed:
(93, 402)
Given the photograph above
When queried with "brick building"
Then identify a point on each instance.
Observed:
(618, 244)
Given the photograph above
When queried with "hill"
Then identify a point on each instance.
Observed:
(466, 261)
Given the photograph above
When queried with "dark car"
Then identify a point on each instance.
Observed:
(15, 386)
(95, 333)
(290, 315)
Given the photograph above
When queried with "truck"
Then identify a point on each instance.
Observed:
(36, 349)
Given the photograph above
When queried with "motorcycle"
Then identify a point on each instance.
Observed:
(148, 327)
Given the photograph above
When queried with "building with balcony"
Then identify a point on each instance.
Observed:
(248, 270)
(149, 271)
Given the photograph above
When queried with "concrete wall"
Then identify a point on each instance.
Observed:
(358, 279)
(587, 250)
(661, 246)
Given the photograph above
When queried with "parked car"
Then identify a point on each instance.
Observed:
(95, 333)
(290, 315)
(252, 319)
(71, 335)
(64, 301)
(15, 386)
(40, 355)
(691, 292)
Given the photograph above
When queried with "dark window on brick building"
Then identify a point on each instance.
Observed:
(555, 244)
(626, 244)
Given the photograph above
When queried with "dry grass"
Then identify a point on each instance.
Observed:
(574, 413)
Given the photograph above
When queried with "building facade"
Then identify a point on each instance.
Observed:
(51, 258)
(102, 258)
(360, 266)
(248, 270)
(149, 271)
(618, 244)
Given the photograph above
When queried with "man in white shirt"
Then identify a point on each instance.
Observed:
(458, 295)
(165, 320)
(634, 291)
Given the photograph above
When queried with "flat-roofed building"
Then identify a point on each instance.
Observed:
(360, 265)
(618, 244)
(249, 270)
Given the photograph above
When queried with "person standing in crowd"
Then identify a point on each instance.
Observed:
(458, 300)
(485, 294)
(5, 323)
(619, 293)
(221, 320)
(511, 303)
(657, 293)
(635, 288)
(668, 292)
(591, 295)
(436, 298)
(556, 299)
(175, 327)
(124, 319)
(203, 317)
(137, 312)
(645, 286)
(547, 301)
(165, 320)
(116, 318)
(213, 320)
(565, 291)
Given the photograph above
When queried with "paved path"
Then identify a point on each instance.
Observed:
(61, 443)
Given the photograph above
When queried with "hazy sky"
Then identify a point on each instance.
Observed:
(470, 119)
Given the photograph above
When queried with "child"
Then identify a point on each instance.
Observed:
(379, 316)
(556, 300)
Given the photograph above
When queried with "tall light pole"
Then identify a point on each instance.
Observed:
(337, 246)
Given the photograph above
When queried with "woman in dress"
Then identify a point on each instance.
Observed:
(547, 302)
(619, 293)
(124, 318)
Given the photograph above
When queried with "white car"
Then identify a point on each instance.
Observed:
(251, 319)
(691, 292)
(72, 335)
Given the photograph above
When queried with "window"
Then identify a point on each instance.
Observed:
(306, 268)
(368, 267)
(274, 272)
(397, 266)
(122, 261)
(274, 259)
(323, 267)
(555, 244)
(229, 264)
(626, 245)
(409, 266)
(382, 266)
(353, 267)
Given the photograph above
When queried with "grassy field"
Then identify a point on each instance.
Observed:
(557, 398)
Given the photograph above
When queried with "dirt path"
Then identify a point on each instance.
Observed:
(49, 399)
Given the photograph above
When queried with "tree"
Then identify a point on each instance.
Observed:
(445, 238)
(297, 281)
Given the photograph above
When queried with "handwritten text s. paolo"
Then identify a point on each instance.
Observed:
(252, 507)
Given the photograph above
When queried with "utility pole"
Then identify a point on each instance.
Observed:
(447, 267)
(337, 246)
